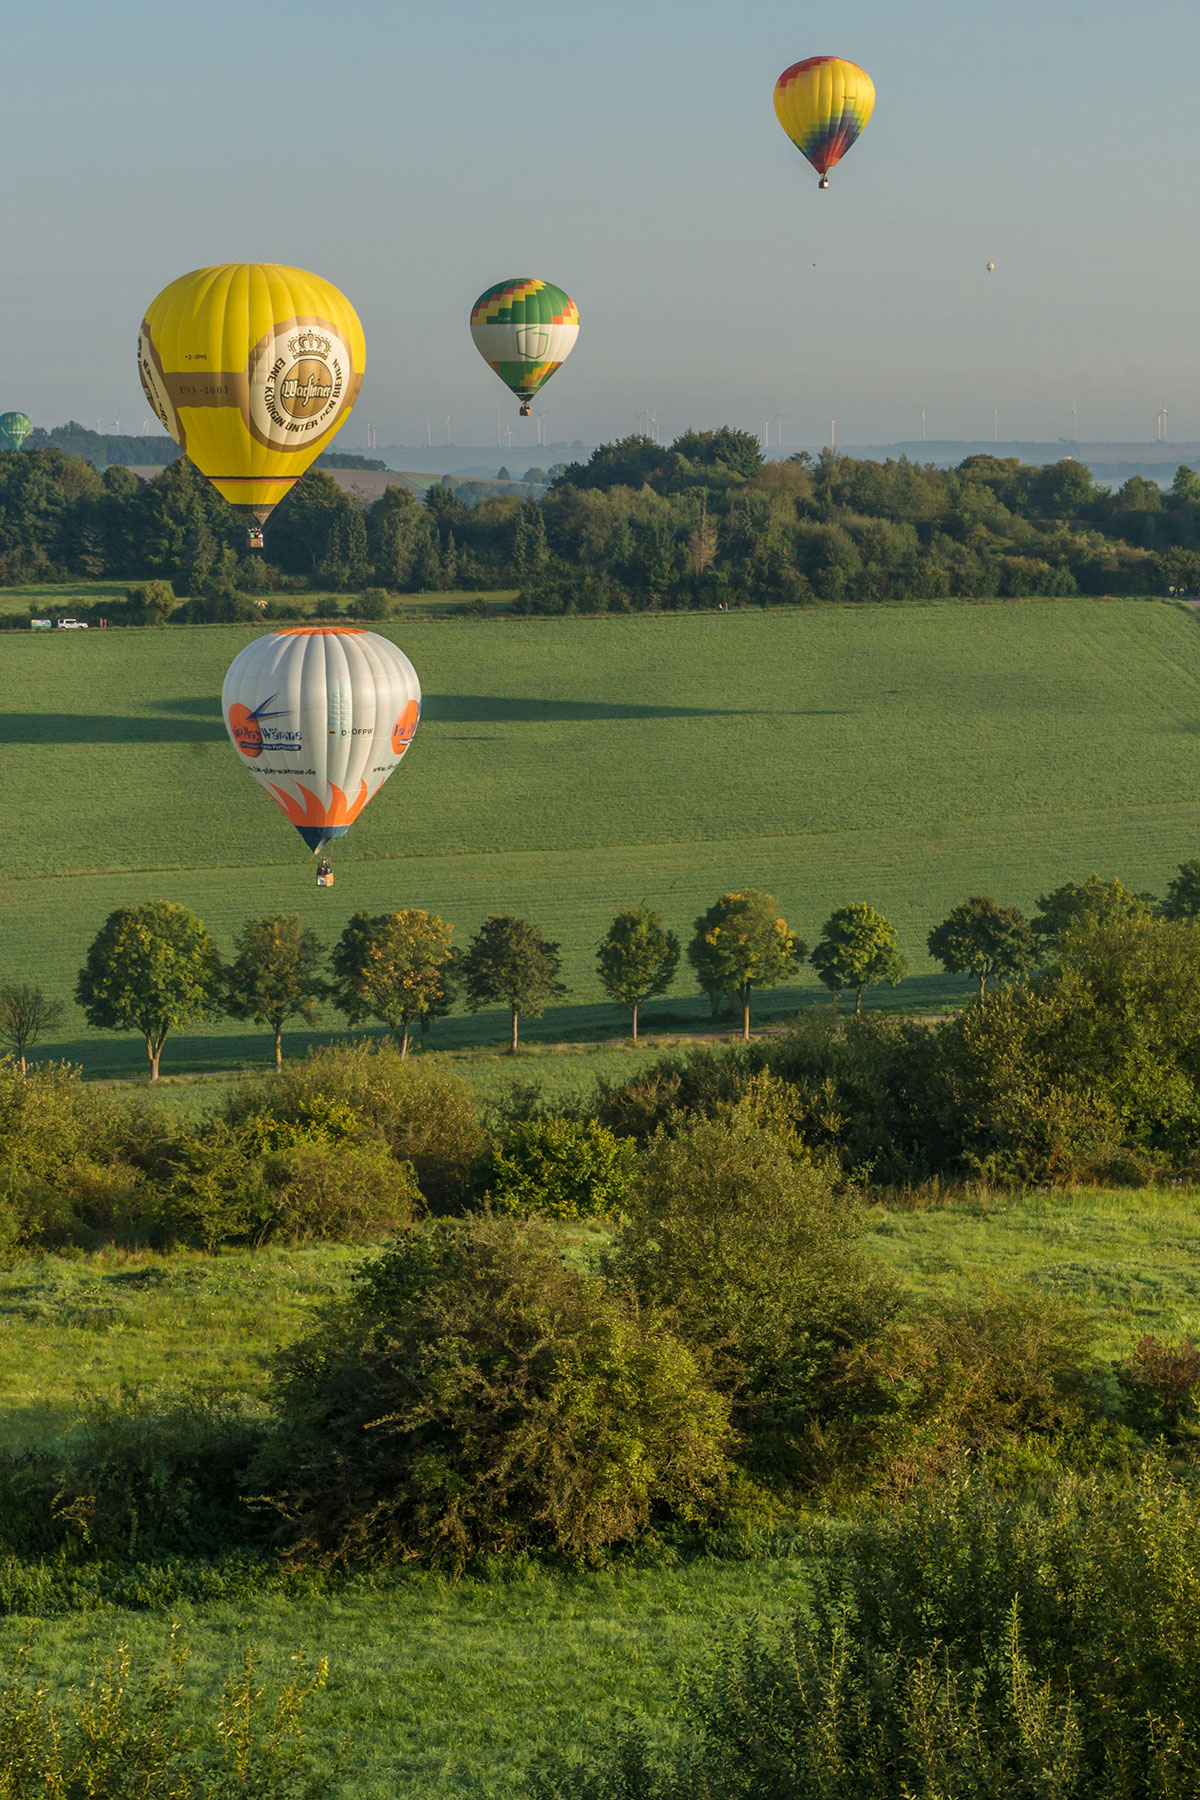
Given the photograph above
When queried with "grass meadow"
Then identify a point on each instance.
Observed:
(567, 767)
(449, 1688)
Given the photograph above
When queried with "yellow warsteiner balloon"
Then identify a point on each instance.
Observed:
(252, 368)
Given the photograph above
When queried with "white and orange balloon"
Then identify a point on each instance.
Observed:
(320, 716)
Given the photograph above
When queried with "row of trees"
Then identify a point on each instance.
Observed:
(703, 522)
(155, 967)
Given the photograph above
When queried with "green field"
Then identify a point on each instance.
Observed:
(567, 767)
(450, 1688)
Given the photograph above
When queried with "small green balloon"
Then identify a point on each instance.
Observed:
(14, 429)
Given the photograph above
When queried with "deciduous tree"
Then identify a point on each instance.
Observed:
(26, 1014)
(858, 950)
(1183, 892)
(276, 974)
(1082, 903)
(394, 968)
(982, 939)
(509, 963)
(150, 968)
(741, 943)
(637, 959)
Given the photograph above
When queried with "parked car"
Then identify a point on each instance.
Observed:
(72, 624)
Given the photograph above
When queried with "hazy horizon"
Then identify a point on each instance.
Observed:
(634, 158)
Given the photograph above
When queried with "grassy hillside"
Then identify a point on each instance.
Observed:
(567, 767)
(448, 1688)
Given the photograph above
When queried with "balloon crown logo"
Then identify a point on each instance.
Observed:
(309, 343)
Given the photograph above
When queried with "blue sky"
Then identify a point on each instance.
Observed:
(628, 151)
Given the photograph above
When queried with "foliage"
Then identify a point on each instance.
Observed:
(149, 968)
(1078, 904)
(121, 1734)
(972, 1645)
(857, 949)
(1047, 1083)
(275, 974)
(561, 1168)
(637, 959)
(478, 1396)
(640, 524)
(745, 1243)
(1160, 1382)
(425, 1116)
(396, 968)
(980, 938)
(151, 602)
(742, 943)
(1183, 892)
(26, 1014)
(951, 1380)
(508, 962)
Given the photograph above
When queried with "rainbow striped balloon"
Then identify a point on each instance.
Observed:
(823, 104)
(525, 329)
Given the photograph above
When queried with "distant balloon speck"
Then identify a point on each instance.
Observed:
(991, 268)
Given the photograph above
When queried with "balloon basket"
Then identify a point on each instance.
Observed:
(325, 880)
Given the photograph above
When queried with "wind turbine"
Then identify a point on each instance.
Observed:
(1074, 422)
(541, 418)
(1162, 422)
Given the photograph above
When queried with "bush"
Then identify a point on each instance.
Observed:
(122, 1735)
(475, 1397)
(563, 1168)
(423, 1115)
(1160, 1383)
(343, 1191)
(953, 1381)
(157, 1472)
(372, 603)
(77, 1164)
(152, 603)
(968, 1646)
(748, 1247)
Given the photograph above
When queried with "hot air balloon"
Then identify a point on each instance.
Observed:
(524, 330)
(320, 716)
(14, 429)
(823, 104)
(253, 369)
(991, 268)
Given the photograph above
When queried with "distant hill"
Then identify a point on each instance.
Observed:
(1111, 463)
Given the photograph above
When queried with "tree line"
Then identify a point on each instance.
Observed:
(154, 967)
(703, 522)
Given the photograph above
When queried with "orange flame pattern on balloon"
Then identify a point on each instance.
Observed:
(315, 813)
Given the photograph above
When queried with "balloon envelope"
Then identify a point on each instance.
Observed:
(253, 369)
(525, 330)
(320, 716)
(15, 427)
(823, 104)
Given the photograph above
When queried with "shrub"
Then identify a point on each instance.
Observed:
(747, 1246)
(476, 1396)
(121, 1735)
(153, 1472)
(968, 1646)
(657, 1096)
(564, 1168)
(342, 1191)
(424, 1115)
(152, 603)
(372, 603)
(955, 1380)
(1160, 1383)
